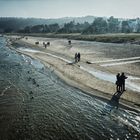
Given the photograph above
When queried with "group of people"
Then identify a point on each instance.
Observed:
(120, 82)
(77, 57)
(45, 44)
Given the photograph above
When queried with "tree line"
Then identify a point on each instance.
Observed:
(99, 25)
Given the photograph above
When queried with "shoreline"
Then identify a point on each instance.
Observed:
(72, 82)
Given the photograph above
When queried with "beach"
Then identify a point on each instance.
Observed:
(43, 95)
(97, 75)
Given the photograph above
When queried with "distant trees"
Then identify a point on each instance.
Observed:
(37, 29)
(68, 28)
(8, 30)
(99, 25)
(73, 27)
(138, 28)
(27, 30)
(53, 28)
(125, 27)
(113, 25)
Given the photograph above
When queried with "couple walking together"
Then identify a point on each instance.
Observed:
(120, 82)
(77, 57)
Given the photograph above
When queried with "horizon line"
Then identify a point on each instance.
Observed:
(67, 17)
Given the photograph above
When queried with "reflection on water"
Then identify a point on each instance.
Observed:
(38, 105)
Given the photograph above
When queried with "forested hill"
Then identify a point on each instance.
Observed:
(12, 23)
(83, 25)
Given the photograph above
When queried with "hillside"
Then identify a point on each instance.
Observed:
(83, 25)
(20, 23)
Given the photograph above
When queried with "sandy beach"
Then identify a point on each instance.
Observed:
(96, 75)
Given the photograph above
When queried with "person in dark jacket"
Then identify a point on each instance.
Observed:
(118, 83)
(79, 56)
(122, 79)
(76, 57)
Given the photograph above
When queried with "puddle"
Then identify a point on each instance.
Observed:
(99, 74)
(28, 50)
(32, 62)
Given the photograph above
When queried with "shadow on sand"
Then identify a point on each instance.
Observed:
(114, 102)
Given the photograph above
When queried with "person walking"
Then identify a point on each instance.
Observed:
(76, 57)
(122, 79)
(118, 83)
(79, 56)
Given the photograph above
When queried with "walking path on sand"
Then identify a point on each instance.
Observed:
(116, 60)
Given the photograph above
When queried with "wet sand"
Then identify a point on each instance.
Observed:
(58, 55)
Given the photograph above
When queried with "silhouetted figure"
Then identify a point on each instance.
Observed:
(69, 42)
(37, 43)
(48, 43)
(45, 44)
(78, 56)
(118, 83)
(122, 79)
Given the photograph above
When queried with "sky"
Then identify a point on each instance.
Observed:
(70, 8)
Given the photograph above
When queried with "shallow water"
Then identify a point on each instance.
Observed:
(28, 50)
(36, 104)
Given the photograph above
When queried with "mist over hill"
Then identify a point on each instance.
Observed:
(84, 25)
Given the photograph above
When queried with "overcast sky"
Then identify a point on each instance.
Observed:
(69, 8)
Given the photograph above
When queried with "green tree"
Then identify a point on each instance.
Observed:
(68, 28)
(37, 29)
(53, 27)
(27, 30)
(125, 27)
(99, 26)
(113, 25)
